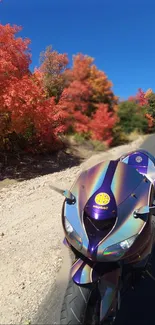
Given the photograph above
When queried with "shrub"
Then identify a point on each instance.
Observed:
(132, 117)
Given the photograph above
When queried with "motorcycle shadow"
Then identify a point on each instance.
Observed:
(137, 308)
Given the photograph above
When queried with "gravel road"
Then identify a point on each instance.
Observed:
(34, 265)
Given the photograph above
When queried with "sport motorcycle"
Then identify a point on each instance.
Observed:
(107, 217)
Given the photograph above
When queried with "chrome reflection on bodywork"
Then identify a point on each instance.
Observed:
(126, 225)
(82, 273)
(108, 287)
(124, 182)
(151, 171)
(145, 165)
(84, 187)
(130, 193)
(65, 242)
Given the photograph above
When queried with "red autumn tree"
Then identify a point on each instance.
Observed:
(141, 98)
(144, 101)
(150, 115)
(74, 101)
(75, 98)
(102, 89)
(132, 98)
(80, 70)
(102, 124)
(86, 88)
(86, 73)
(24, 109)
(41, 105)
(14, 56)
(32, 108)
(14, 63)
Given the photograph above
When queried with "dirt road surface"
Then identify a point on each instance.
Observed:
(34, 266)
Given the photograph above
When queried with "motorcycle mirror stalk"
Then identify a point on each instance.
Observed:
(142, 213)
(66, 193)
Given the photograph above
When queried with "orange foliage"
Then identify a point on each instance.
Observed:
(87, 90)
(102, 123)
(53, 99)
(14, 56)
(148, 93)
(23, 103)
(150, 120)
(141, 98)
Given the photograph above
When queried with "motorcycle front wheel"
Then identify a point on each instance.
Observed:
(81, 305)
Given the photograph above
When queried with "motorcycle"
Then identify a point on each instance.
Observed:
(107, 218)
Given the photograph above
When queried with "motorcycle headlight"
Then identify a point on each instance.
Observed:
(73, 235)
(68, 227)
(116, 251)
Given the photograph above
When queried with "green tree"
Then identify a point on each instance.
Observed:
(132, 117)
(151, 112)
(151, 102)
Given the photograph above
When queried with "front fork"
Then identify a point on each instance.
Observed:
(109, 288)
(109, 285)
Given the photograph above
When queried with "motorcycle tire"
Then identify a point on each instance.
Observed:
(75, 304)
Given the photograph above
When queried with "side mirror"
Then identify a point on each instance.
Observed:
(143, 212)
(69, 196)
(66, 193)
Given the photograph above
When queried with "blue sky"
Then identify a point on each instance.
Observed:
(119, 34)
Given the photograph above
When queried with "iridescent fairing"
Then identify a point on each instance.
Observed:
(108, 287)
(126, 225)
(108, 283)
(94, 181)
(65, 242)
(87, 183)
(108, 239)
(103, 212)
(143, 161)
(82, 273)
